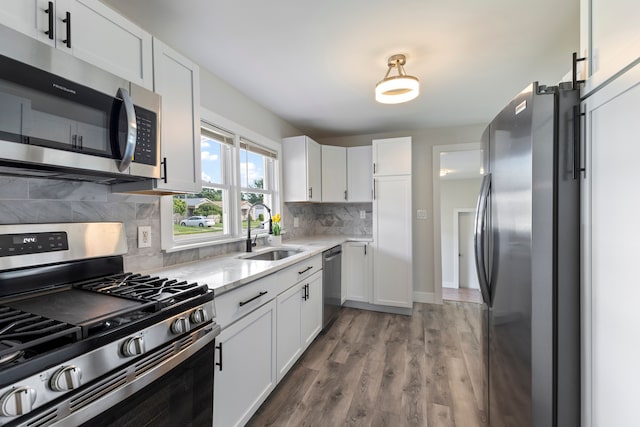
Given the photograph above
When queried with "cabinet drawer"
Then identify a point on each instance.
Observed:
(299, 271)
(237, 303)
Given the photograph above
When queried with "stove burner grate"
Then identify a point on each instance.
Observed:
(21, 331)
(145, 288)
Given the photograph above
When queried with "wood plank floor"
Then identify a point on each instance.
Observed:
(462, 295)
(379, 369)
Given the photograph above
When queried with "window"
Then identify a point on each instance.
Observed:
(214, 201)
(257, 183)
(236, 174)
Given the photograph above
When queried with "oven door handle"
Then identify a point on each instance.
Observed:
(132, 129)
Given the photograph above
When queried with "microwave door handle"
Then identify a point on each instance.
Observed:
(132, 133)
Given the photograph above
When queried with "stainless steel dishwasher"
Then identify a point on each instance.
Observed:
(331, 284)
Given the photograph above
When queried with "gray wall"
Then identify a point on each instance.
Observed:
(422, 164)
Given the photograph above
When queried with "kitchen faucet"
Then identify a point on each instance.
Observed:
(250, 244)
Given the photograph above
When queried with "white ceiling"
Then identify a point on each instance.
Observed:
(315, 63)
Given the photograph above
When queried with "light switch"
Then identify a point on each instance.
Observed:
(363, 214)
(296, 222)
(421, 214)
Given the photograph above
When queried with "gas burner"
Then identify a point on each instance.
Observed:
(8, 356)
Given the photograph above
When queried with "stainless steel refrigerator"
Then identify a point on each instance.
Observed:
(527, 258)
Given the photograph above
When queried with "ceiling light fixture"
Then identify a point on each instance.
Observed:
(400, 88)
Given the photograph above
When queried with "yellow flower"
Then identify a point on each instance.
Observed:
(276, 218)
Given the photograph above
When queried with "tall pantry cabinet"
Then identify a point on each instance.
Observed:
(610, 226)
(392, 231)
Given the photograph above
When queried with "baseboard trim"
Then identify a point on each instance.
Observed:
(426, 297)
(380, 308)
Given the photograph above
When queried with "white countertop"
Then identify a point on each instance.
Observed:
(226, 272)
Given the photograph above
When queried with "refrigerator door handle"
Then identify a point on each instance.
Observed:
(479, 238)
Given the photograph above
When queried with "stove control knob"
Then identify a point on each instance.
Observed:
(18, 401)
(180, 326)
(200, 315)
(66, 378)
(133, 346)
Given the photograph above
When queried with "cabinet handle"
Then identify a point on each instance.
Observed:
(577, 149)
(574, 70)
(374, 189)
(305, 270)
(345, 194)
(164, 169)
(307, 291)
(251, 299)
(374, 167)
(67, 21)
(219, 364)
(80, 142)
(49, 11)
(74, 141)
(310, 192)
(365, 249)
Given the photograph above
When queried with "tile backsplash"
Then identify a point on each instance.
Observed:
(328, 218)
(35, 200)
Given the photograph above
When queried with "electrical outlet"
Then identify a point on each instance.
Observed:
(363, 214)
(421, 214)
(144, 236)
(296, 222)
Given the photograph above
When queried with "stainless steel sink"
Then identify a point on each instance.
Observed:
(272, 255)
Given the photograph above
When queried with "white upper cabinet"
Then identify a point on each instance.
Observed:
(334, 174)
(392, 156)
(609, 38)
(176, 79)
(86, 29)
(302, 169)
(21, 15)
(359, 174)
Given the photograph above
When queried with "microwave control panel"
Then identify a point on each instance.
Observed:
(147, 141)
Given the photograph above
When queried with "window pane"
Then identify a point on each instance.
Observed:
(251, 169)
(199, 213)
(211, 152)
(259, 215)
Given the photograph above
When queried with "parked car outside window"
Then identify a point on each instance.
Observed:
(198, 221)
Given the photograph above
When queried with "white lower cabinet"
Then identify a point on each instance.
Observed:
(311, 311)
(299, 320)
(356, 271)
(245, 371)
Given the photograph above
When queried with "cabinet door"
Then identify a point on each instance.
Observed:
(20, 15)
(314, 171)
(392, 156)
(288, 335)
(176, 79)
(334, 173)
(392, 259)
(610, 37)
(355, 271)
(105, 39)
(610, 216)
(302, 171)
(311, 317)
(359, 177)
(247, 352)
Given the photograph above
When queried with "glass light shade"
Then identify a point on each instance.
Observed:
(395, 90)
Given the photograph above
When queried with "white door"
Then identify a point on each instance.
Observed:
(466, 263)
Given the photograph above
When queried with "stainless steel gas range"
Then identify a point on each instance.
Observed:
(84, 343)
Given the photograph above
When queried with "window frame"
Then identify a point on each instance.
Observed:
(240, 134)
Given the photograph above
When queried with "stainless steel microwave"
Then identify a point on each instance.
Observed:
(63, 118)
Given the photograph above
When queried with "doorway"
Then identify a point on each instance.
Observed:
(457, 175)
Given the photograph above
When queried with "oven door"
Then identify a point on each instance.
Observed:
(181, 397)
(169, 386)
